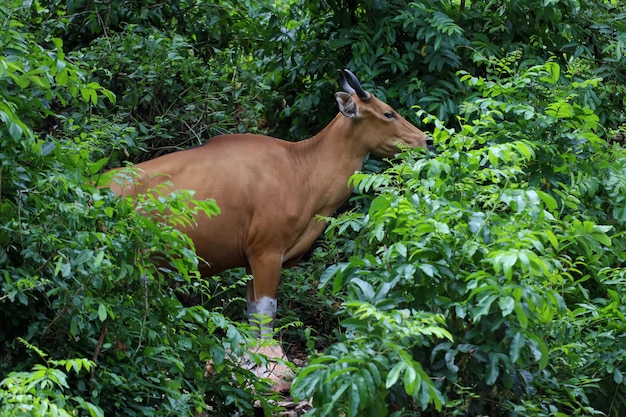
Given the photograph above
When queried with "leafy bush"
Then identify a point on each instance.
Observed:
(85, 275)
(409, 53)
(39, 392)
(171, 96)
(485, 279)
(186, 90)
(480, 279)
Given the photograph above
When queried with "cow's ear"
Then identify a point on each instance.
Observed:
(346, 103)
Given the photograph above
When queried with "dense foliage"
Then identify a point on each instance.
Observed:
(77, 276)
(485, 278)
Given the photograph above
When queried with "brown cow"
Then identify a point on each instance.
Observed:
(271, 192)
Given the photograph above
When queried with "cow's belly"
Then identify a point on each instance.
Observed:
(221, 248)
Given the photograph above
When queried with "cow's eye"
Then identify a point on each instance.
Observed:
(390, 115)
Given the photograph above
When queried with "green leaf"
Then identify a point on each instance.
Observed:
(339, 372)
(551, 238)
(517, 343)
(355, 399)
(493, 369)
(507, 304)
(522, 318)
(15, 130)
(95, 167)
(366, 289)
(74, 327)
(411, 380)
(428, 269)
(102, 312)
(436, 397)
(548, 200)
(338, 393)
(505, 261)
(483, 307)
(539, 349)
(99, 258)
(560, 110)
(76, 365)
(394, 374)
(602, 238)
(47, 148)
(554, 71)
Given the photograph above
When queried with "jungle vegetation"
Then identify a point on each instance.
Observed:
(484, 278)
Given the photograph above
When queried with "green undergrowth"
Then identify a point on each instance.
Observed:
(485, 278)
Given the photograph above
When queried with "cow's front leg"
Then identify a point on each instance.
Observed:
(261, 311)
(262, 291)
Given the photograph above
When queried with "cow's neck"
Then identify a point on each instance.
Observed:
(330, 158)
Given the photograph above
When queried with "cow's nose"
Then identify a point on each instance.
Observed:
(430, 143)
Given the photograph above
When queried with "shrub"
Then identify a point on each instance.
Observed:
(77, 270)
(39, 392)
(172, 97)
(409, 53)
(483, 277)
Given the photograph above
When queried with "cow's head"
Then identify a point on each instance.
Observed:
(381, 129)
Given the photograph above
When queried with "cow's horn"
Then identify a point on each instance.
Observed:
(363, 95)
(344, 83)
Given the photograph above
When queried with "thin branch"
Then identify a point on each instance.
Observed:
(96, 351)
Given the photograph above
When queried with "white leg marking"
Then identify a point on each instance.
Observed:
(267, 306)
(259, 311)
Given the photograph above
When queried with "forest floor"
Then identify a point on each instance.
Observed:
(281, 377)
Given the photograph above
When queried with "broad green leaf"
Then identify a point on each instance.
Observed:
(15, 130)
(484, 305)
(74, 327)
(551, 238)
(411, 380)
(602, 238)
(394, 374)
(335, 397)
(95, 167)
(506, 261)
(99, 258)
(507, 304)
(554, 71)
(493, 370)
(366, 289)
(545, 354)
(428, 269)
(355, 398)
(517, 343)
(47, 148)
(339, 372)
(76, 364)
(548, 200)
(522, 318)
(560, 110)
(102, 312)
(436, 397)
